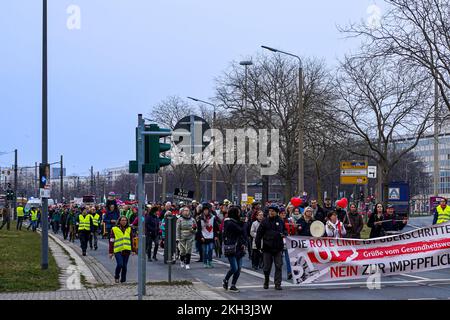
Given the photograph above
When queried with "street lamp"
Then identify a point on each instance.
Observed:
(214, 173)
(246, 64)
(301, 176)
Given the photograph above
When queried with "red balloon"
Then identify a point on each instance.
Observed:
(343, 203)
(296, 202)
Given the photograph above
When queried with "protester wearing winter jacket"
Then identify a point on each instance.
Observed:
(207, 232)
(353, 223)
(234, 236)
(186, 229)
(256, 254)
(304, 224)
(376, 221)
(152, 233)
(111, 217)
(333, 227)
(270, 238)
(318, 212)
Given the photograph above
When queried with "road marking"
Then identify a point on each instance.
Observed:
(416, 277)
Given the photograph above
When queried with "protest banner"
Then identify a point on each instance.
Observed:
(315, 260)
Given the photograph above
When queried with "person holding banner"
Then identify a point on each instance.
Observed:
(271, 233)
(393, 222)
(304, 224)
(353, 223)
(334, 228)
(376, 221)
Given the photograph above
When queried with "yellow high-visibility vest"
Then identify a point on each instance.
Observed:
(96, 219)
(20, 212)
(443, 215)
(85, 222)
(34, 214)
(122, 241)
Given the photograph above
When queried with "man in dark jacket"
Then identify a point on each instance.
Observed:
(318, 212)
(353, 223)
(392, 221)
(271, 232)
(111, 217)
(328, 207)
(152, 233)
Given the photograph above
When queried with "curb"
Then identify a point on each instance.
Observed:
(84, 269)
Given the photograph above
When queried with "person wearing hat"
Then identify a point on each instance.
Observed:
(269, 238)
(392, 221)
(442, 212)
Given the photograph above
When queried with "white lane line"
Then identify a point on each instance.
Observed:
(416, 277)
(418, 299)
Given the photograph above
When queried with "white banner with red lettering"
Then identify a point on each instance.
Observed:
(324, 259)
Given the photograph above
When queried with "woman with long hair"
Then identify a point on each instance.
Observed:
(120, 247)
(234, 239)
(376, 221)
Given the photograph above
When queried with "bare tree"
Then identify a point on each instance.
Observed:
(381, 101)
(273, 103)
(416, 31)
(168, 112)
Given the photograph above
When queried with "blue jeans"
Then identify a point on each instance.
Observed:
(288, 262)
(207, 251)
(122, 262)
(235, 269)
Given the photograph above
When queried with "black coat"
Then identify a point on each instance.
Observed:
(304, 227)
(234, 234)
(320, 215)
(271, 231)
(151, 225)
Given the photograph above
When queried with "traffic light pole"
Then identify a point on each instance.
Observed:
(141, 203)
(44, 213)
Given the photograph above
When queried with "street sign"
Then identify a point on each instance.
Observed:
(354, 180)
(354, 165)
(394, 193)
(372, 172)
(44, 193)
(353, 172)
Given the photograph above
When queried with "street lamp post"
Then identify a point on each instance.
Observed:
(44, 215)
(301, 176)
(246, 64)
(214, 172)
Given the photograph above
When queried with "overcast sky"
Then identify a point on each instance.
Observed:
(130, 54)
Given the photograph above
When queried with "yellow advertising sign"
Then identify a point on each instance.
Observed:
(354, 180)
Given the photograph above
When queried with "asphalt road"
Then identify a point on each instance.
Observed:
(425, 285)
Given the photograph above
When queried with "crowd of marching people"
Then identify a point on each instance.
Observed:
(217, 229)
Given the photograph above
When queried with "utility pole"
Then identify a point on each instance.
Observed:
(436, 170)
(246, 64)
(92, 180)
(61, 175)
(15, 185)
(36, 185)
(44, 215)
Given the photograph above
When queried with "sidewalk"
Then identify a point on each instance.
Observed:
(93, 282)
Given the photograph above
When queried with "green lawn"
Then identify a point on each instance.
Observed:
(20, 269)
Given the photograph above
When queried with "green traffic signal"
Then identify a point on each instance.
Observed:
(152, 149)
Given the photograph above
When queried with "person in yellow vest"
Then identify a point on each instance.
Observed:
(34, 219)
(20, 215)
(85, 226)
(442, 212)
(120, 247)
(96, 223)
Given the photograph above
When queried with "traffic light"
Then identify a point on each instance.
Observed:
(152, 149)
(9, 194)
